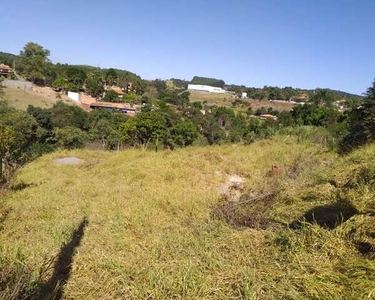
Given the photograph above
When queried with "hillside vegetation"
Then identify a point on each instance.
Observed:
(228, 100)
(169, 225)
(61, 75)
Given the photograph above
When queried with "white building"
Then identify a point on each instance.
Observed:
(244, 95)
(74, 96)
(206, 89)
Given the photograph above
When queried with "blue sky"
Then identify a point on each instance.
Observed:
(299, 43)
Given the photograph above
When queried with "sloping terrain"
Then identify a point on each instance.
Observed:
(39, 97)
(227, 100)
(223, 222)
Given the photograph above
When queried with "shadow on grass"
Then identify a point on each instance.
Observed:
(20, 186)
(366, 249)
(327, 216)
(53, 289)
(3, 216)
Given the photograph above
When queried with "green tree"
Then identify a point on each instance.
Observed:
(7, 140)
(144, 129)
(361, 123)
(69, 137)
(34, 59)
(18, 143)
(131, 98)
(210, 129)
(64, 115)
(184, 134)
(94, 84)
(139, 87)
(196, 105)
(151, 92)
(174, 97)
(238, 128)
(111, 77)
(159, 84)
(1, 88)
(42, 116)
(72, 79)
(184, 98)
(208, 81)
(111, 96)
(323, 97)
(224, 116)
(106, 131)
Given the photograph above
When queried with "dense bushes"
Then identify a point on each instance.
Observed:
(18, 132)
(361, 123)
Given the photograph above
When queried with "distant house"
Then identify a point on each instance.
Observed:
(341, 104)
(120, 91)
(303, 97)
(264, 117)
(5, 70)
(117, 89)
(119, 107)
(267, 117)
(206, 89)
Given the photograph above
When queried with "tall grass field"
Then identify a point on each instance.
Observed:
(171, 225)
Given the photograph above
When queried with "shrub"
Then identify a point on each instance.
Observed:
(69, 137)
(111, 96)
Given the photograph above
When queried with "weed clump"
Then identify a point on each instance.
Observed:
(248, 211)
(16, 281)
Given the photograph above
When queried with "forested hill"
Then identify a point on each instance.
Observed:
(345, 95)
(120, 73)
(208, 81)
(267, 92)
(9, 58)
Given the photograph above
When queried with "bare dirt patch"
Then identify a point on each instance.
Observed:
(233, 187)
(48, 94)
(69, 161)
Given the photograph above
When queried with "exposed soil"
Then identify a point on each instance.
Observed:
(69, 161)
(233, 187)
(47, 93)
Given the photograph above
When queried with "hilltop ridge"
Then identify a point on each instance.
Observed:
(9, 58)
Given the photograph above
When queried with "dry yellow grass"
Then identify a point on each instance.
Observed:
(227, 100)
(150, 234)
(211, 98)
(40, 97)
(21, 99)
(279, 106)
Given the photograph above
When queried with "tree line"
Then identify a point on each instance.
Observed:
(33, 64)
(168, 123)
(167, 119)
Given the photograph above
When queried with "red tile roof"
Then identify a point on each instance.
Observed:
(112, 105)
(5, 67)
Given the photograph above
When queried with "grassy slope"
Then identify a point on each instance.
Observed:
(21, 99)
(211, 98)
(39, 97)
(227, 99)
(150, 234)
